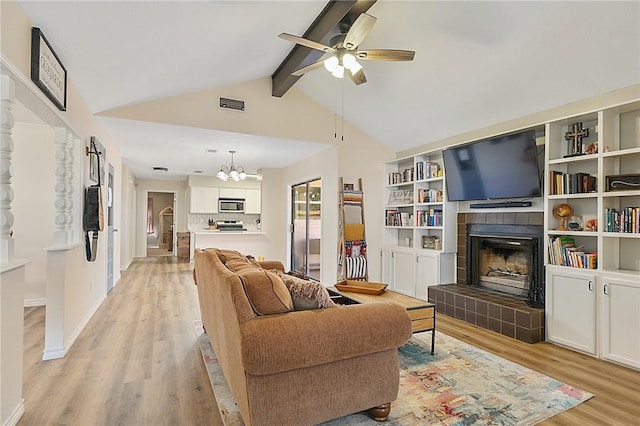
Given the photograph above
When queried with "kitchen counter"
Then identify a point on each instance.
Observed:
(217, 231)
(252, 242)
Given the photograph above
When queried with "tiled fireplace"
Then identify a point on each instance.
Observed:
(500, 284)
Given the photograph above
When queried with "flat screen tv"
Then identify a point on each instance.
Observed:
(497, 168)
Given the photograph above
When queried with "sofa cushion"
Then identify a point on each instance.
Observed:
(306, 294)
(265, 290)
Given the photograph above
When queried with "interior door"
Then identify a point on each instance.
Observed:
(306, 228)
(110, 229)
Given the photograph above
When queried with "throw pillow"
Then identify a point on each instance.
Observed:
(266, 292)
(306, 294)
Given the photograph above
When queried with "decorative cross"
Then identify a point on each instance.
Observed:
(574, 138)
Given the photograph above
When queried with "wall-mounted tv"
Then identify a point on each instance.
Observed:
(497, 168)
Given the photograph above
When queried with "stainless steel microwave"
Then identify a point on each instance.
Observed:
(231, 205)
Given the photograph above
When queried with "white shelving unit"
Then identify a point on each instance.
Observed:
(604, 320)
(419, 247)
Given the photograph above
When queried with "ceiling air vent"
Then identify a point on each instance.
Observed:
(232, 104)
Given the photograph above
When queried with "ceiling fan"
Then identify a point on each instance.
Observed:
(343, 53)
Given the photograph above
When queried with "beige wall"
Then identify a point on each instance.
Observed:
(76, 288)
(33, 206)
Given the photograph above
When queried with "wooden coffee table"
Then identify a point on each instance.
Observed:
(422, 314)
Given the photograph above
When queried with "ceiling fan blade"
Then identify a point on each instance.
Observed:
(307, 43)
(358, 78)
(358, 31)
(311, 67)
(386, 55)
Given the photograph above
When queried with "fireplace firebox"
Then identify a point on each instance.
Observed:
(506, 259)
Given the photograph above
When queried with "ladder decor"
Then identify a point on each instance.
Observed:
(352, 244)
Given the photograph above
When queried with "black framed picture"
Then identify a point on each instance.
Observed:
(47, 71)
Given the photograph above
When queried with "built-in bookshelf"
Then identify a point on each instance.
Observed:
(606, 223)
(592, 280)
(420, 225)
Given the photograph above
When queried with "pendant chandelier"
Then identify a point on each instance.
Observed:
(231, 171)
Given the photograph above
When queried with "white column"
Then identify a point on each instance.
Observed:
(64, 186)
(69, 186)
(7, 94)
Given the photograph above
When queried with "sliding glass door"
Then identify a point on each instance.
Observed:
(306, 228)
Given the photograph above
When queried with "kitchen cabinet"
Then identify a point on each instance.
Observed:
(620, 299)
(570, 308)
(252, 201)
(203, 200)
(232, 193)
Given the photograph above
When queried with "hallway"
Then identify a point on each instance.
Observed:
(136, 363)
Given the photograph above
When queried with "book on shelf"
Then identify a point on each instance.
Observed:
(561, 183)
(397, 218)
(564, 252)
(404, 176)
(431, 217)
(625, 220)
(429, 195)
(427, 170)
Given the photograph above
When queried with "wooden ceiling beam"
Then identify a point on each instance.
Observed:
(324, 25)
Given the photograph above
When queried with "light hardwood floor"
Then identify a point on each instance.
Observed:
(137, 362)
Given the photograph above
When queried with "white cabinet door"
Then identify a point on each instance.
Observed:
(210, 200)
(385, 266)
(253, 200)
(427, 273)
(203, 199)
(195, 199)
(570, 308)
(620, 320)
(403, 270)
(232, 193)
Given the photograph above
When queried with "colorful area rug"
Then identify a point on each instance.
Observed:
(459, 385)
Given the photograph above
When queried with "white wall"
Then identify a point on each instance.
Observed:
(142, 189)
(33, 206)
(364, 158)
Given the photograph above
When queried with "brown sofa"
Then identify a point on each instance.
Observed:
(297, 367)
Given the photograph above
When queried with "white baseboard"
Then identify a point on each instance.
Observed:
(13, 418)
(56, 353)
(35, 302)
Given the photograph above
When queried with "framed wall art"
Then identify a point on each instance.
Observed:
(47, 71)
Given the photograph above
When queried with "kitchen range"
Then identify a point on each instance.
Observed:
(230, 225)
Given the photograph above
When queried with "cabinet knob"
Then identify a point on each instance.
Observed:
(590, 286)
(605, 289)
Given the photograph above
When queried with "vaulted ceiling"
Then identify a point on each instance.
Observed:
(476, 64)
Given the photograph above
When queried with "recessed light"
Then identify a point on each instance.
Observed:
(211, 150)
(198, 171)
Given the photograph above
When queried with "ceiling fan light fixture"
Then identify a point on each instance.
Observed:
(338, 72)
(351, 63)
(331, 63)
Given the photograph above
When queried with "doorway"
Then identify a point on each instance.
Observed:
(306, 228)
(161, 223)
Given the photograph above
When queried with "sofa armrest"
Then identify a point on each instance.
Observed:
(272, 264)
(276, 343)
